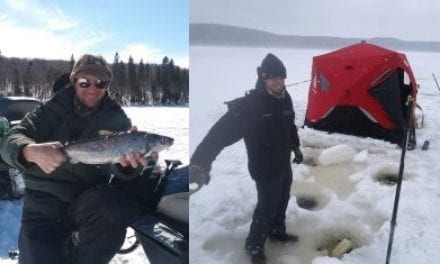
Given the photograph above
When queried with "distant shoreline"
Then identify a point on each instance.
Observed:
(224, 35)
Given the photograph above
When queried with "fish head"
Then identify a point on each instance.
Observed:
(156, 142)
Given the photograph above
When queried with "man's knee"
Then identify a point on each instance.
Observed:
(105, 206)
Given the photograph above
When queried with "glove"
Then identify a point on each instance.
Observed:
(298, 156)
(199, 175)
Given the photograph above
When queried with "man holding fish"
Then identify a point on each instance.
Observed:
(70, 212)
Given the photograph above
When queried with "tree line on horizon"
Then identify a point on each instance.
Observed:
(133, 83)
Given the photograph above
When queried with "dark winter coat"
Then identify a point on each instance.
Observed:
(56, 120)
(267, 126)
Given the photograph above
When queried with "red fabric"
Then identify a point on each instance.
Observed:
(351, 72)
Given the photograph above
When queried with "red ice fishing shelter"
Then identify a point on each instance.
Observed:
(361, 90)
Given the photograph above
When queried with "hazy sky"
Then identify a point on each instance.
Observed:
(403, 19)
(147, 29)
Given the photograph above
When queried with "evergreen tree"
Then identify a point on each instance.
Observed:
(48, 82)
(151, 79)
(27, 78)
(132, 79)
(142, 83)
(175, 82)
(155, 92)
(72, 62)
(165, 81)
(185, 85)
(121, 81)
(155, 89)
(17, 90)
(51, 76)
(115, 88)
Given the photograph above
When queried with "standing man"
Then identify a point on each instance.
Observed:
(264, 118)
(71, 214)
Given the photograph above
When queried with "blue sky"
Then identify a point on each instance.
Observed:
(145, 29)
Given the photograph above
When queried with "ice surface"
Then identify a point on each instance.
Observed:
(353, 203)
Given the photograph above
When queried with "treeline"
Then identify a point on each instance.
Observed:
(133, 84)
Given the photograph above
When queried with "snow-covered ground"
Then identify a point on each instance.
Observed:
(351, 200)
(169, 121)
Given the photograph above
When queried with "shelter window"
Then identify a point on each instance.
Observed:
(406, 79)
(324, 84)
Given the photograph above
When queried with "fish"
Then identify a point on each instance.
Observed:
(108, 149)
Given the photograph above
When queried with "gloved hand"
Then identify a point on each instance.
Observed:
(199, 175)
(298, 156)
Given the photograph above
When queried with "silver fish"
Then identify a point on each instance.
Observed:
(107, 149)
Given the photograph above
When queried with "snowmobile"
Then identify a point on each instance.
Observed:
(164, 233)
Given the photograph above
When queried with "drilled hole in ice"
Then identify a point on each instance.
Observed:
(307, 202)
(338, 244)
(387, 178)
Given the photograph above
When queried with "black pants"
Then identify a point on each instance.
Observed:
(270, 213)
(90, 230)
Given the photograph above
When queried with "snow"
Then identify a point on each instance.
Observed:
(353, 196)
(168, 121)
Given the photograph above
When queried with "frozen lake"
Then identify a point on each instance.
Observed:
(351, 200)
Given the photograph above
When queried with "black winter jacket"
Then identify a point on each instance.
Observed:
(267, 126)
(56, 120)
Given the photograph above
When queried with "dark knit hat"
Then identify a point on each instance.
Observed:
(270, 67)
(94, 65)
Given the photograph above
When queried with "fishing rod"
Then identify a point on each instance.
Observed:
(296, 83)
(409, 104)
(436, 82)
(293, 84)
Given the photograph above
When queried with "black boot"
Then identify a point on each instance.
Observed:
(257, 256)
(283, 237)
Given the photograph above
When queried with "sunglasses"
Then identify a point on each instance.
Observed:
(86, 83)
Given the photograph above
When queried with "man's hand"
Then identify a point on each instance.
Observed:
(199, 175)
(47, 156)
(298, 156)
(134, 159)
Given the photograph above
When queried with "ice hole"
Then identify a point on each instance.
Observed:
(310, 196)
(387, 178)
(307, 202)
(338, 244)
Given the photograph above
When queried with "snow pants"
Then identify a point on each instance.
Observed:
(89, 230)
(270, 212)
